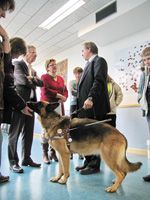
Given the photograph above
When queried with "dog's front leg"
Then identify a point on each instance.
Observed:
(65, 162)
(60, 173)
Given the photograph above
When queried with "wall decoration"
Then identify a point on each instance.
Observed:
(62, 68)
(129, 66)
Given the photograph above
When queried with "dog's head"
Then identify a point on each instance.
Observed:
(50, 119)
(42, 108)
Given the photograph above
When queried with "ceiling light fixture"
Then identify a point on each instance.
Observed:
(61, 13)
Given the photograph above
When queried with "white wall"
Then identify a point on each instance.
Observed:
(75, 59)
(108, 53)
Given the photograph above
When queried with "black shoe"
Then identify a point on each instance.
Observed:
(16, 168)
(4, 178)
(29, 162)
(71, 156)
(80, 167)
(147, 178)
(89, 170)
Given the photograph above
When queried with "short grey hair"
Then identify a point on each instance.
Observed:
(92, 46)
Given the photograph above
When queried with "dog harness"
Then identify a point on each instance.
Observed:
(65, 133)
(60, 133)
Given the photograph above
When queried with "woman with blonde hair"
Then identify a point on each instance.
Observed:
(54, 90)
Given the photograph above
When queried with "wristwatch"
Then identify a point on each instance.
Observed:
(90, 98)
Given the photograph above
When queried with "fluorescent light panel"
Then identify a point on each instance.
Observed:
(61, 13)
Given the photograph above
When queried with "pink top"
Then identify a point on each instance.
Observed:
(51, 88)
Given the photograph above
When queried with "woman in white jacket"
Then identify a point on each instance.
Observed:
(115, 98)
(144, 91)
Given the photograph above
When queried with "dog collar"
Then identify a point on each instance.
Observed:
(53, 122)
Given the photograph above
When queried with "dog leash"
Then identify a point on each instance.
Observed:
(76, 111)
(91, 124)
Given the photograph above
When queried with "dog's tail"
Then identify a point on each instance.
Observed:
(127, 166)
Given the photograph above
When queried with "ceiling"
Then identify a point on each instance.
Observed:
(29, 14)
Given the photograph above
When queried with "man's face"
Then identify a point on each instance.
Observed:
(85, 53)
(31, 55)
(146, 60)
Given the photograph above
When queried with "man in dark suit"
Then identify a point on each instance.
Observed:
(26, 81)
(92, 95)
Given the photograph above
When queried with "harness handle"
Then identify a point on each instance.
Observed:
(76, 111)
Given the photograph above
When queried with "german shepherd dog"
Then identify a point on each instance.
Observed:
(100, 138)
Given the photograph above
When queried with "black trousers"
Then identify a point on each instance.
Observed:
(113, 119)
(24, 125)
(72, 109)
(93, 161)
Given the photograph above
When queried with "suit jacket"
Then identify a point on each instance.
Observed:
(93, 84)
(23, 84)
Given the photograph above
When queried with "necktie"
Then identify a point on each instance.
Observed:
(86, 65)
(30, 74)
(30, 69)
(85, 68)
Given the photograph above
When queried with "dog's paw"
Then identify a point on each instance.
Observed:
(54, 179)
(61, 181)
(111, 189)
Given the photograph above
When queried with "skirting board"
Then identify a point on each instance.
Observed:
(37, 135)
(129, 150)
(137, 151)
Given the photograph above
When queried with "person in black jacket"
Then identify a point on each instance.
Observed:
(93, 96)
(5, 5)
(12, 99)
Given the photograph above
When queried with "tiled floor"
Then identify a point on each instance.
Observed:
(34, 183)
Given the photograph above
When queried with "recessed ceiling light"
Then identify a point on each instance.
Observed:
(61, 13)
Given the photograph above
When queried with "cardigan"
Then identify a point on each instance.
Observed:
(73, 92)
(51, 88)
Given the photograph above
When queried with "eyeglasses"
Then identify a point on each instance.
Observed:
(52, 65)
(33, 52)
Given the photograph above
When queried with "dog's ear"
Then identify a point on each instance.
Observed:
(51, 107)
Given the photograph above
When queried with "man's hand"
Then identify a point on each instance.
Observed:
(30, 77)
(27, 111)
(88, 104)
